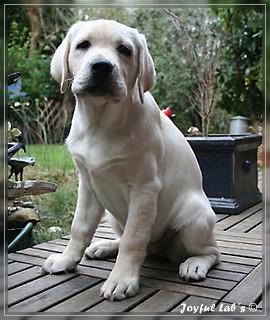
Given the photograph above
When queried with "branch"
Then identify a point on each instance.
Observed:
(34, 17)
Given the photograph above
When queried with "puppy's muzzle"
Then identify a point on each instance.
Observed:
(101, 77)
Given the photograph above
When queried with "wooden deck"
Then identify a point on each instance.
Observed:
(233, 284)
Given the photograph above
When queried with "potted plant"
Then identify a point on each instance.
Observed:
(228, 162)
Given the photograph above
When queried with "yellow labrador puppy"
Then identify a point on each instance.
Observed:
(132, 161)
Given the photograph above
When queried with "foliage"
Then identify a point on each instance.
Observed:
(173, 78)
(53, 163)
(52, 158)
(239, 66)
(13, 133)
(36, 79)
(57, 212)
(199, 43)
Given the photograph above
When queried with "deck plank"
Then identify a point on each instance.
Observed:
(241, 253)
(256, 230)
(227, 223)
(248, 290)
(15, 267)
(244, 246)
(226, 275)
(50, 297)
(79, 302)
(234, 267)
(162, 301)
(124, 305)
(236, 278)
(241, 260)
(248, 223)
(174, 277)
(238, 237)
(24, 276)
(32, 288)
(32, 260)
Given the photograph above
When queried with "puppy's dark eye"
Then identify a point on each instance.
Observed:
(83, 45)
(123, 49)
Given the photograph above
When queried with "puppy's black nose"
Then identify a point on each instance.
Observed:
(101, 67)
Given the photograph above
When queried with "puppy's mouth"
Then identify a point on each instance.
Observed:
(98, 90)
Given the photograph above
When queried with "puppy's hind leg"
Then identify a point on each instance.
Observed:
(200, 244)
(105, 248)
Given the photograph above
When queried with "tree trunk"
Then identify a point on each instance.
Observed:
(33, 15)
(205, 125)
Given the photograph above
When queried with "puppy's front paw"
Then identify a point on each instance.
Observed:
(120, 289)
(57, 263)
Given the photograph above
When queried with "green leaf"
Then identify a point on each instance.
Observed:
(15, 132)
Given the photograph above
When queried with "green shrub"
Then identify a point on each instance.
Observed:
(35, 70)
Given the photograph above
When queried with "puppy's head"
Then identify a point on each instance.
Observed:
(104, 58)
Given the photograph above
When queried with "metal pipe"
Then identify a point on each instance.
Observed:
(23, 232)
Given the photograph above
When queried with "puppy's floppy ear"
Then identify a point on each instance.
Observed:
(59, 65)
(146, 72)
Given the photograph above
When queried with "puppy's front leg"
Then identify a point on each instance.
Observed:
(123, 281)
(87, 216)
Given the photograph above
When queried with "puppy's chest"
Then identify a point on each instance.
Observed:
(108, 169)
(101, 158)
